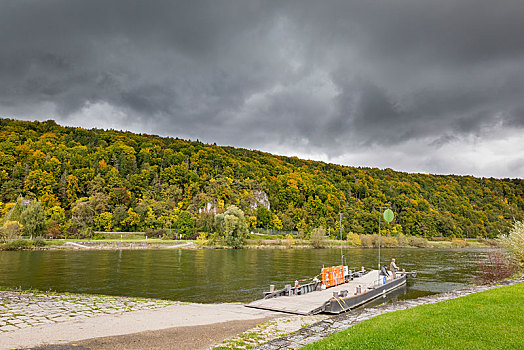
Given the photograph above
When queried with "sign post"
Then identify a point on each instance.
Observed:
(388, 217)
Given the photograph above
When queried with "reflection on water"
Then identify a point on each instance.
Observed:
(221, 275)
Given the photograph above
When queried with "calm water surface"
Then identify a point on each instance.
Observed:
(209, 276)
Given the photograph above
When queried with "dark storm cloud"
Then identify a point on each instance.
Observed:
(330, 77)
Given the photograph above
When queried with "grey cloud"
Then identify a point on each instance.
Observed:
(327, 77)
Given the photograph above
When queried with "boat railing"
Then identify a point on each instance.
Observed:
(300, 289)
(399, 274)
(289, 290)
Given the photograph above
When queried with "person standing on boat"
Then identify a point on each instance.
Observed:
(393, 268)
(384, 272)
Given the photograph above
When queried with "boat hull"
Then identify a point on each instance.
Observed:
(338, 305)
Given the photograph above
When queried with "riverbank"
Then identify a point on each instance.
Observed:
(280, 243)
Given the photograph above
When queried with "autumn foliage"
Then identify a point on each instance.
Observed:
(121, 181)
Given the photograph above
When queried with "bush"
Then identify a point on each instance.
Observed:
(418, 242)
(490, 242)
(318, 237)
(160, 233)
(98, 235)
(202, 238)
(353, 239)
(10, 230)
(402, 240)
(459, 243)
(168, 234)
(72, 232)
(19, 244)
(371, 241)
(392, 242)
(87, 233)
(39, 242)
(366, 240)
(215, 239)
(388, 241)
(289, 240)
(496, 266)
(514, 242)
(53, 231)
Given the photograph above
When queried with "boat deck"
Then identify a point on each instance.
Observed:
(312, 303)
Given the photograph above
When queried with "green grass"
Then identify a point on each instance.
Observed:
(488, 320)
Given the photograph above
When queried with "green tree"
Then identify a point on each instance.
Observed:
(233, 225)
(10, 230)
(33, 219)
(72, 190)
(132, 220)
(151, 221)
(276, 223)
(82, 215)
(263, 217)
(185, 223)
(119, 215)
(104, 221)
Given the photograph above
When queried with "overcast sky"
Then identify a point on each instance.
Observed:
(413, 85)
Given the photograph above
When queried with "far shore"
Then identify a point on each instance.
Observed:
(130, 244)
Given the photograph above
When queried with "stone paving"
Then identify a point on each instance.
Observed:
(25, 309)
(322, 329)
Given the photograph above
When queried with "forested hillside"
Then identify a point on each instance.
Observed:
(120, 181)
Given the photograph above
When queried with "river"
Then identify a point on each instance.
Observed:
(213, 276)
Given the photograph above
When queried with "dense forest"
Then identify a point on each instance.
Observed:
(111, 180)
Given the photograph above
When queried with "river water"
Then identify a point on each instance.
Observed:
(211, 276)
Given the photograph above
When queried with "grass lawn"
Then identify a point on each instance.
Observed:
(488, 320)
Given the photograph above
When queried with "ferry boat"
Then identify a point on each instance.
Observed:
(338, 290)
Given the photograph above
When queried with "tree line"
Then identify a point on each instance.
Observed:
(108, 180)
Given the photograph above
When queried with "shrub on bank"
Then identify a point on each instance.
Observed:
(418, 242)
(353, 239)
(21, 244)
(371, 241)
(202, 238)
(459, 243)
(496, 266)
(318, 237)
(11, 230)
(514, 242)
(386, 241)
(289, 240)
(366, 241)
(402, 240)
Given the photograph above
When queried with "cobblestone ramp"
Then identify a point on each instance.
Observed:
(21, 309)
